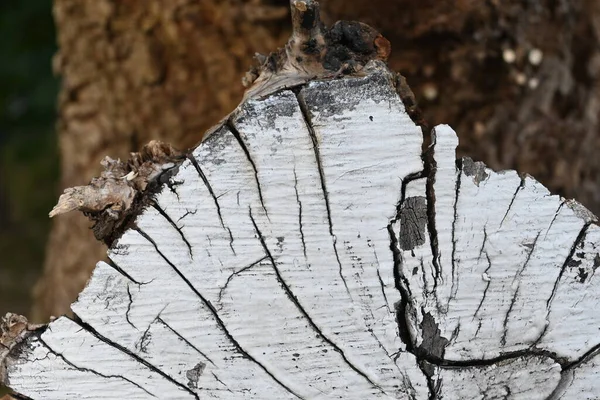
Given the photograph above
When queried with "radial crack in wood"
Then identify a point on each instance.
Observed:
(309, 248)
(505, 250)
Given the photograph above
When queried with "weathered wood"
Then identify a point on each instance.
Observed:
(308, 248)
(131, 73)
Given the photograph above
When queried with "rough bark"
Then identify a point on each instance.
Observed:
(140, 70)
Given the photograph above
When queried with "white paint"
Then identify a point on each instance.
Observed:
(573, 320)
(69, 362)
(357, 147)
(532, 378)
(267, 272)
(580, 383)
(502, 243)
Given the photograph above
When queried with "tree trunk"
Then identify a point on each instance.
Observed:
(517, 79)
(309, 248)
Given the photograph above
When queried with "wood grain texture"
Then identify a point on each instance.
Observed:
(309, 249)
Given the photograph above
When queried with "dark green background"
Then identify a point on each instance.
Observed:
(28, 147)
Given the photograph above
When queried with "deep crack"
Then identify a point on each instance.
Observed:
(519, 188)
(507, 316)
(209, 188)
(159, 319)
(430, 170)
(215, 314)
(315, 142)
(300, 308)
(114, 266)
(246, 268)
(174, 225)
(131, 354)
(236, 133)
(489, 281)
(454, 286)
(299, 212)
(576, 243)
(404, 289)
(83, 369)
(129, 307)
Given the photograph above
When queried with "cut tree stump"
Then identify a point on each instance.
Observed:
(309, 248)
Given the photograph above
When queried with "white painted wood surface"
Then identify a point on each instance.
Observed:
(306, 250)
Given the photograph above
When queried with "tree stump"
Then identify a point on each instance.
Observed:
(313, 247)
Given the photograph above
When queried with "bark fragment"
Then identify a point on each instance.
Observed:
(14, 330)
(314, 51)
(122, 190)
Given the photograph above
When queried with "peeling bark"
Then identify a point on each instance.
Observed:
(122, 191)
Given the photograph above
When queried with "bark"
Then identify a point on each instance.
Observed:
(140, 70)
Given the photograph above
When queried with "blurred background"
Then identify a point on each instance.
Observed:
(28, 150)
(82, 79)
